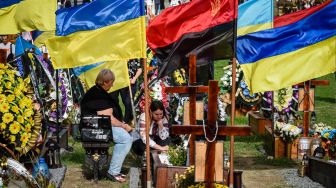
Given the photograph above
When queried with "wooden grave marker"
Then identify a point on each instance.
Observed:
(211, 128)
(307, 100)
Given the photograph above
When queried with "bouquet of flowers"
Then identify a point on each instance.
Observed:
(177, 155)
(287, 131)
(187, 180)
(18, 124)
(320, 127)
(329, 137)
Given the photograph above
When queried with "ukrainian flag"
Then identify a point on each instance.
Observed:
(27, 15)
(88, 73)
(287, 55)
(100, 31)
(254, 15)
(40, 37)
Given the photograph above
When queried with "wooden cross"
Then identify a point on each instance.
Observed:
(193, 129)
(306, 103)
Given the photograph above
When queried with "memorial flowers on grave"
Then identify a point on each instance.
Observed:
(20, 126)
(187, 180)
(287, 132)
(156, 92)
(177, 155)
(285, 102)
(329, 137)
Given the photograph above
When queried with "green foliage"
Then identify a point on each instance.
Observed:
(177, 155)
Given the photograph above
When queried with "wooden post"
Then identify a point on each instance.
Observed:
(3, 56)
(148, 175)
(306, 102)
(233, 109)
(306, 106)
(192, 106)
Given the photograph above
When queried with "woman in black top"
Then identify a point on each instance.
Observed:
(97, 101)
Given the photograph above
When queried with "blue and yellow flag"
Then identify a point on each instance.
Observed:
(254, 15)
(281, 57)
(40, 37)
(103, 30)
(27, 15)
(88, 73)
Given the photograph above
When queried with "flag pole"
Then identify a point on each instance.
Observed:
(149, 183)
(233, 91)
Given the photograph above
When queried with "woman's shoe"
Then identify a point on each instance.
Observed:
(116, 178)
(122, 175)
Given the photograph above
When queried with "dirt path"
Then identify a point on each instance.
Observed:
(259, 176)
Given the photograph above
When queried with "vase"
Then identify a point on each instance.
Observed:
(288, 150)
(41, 168)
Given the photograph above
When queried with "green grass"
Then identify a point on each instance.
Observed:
(219, 65)
(279, 162)
(325, 101)
(76, 157)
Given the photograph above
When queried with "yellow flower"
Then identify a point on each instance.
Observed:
(7, 118)
(27, 80)
(15, 109)
(12, 138)
(28, 112)
(28, 128)
(17, 91)
(2, 97)
(20, 119)
(25, 137)
(10, 98)
(28, 101)
(21, 86)
(22, 103)
(3, 126)
(20, 80)
(326, 135)
(2, 72)
(14, 128)
(31, 121)
(8, 85)
(4, 107)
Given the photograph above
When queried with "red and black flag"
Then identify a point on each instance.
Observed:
(201, 27)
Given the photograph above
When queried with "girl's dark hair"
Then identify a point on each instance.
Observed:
(157, 105)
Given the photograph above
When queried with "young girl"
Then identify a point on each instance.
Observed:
(158, 131)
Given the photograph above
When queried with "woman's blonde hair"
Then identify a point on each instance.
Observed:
(104, 75)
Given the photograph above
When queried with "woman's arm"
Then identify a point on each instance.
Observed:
(163, 129)
(152, 143)
(114, 121)
(136, 76)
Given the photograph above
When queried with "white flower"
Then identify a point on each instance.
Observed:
(157, 87)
